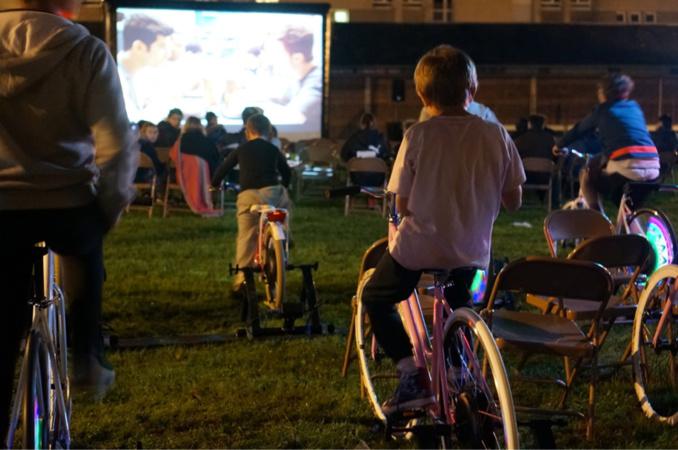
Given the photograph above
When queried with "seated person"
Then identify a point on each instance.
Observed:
(628, 151)
(264, 177)
(664, 137)
(170, 128)
(194, 142)
(368, 138)
(148, 135)
(214, 131)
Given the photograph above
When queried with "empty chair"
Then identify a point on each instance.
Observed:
(369, 173)
(531, 333)
(574, 225)
(541, 166)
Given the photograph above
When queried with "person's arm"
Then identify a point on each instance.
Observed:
(284, 169)
(402, 175)
(587, 125)
(514, 176)
(401, 206)
(512, 199)
(229, 162)
(116, 149)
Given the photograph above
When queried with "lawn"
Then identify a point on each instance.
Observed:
(168, 277)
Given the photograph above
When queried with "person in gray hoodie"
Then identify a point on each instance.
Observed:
(67, 162)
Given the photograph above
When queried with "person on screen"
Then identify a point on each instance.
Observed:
(170, 128)
(146, 43)
(305, 94)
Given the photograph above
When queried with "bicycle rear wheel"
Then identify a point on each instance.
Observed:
(656, 227)
(378, 375)
(480, 400)
(654, 347)
(35, 415)
(275, 263)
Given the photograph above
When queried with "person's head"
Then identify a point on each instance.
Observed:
(192, 124)
(666, 121)
(615, 86)
(536, 121)
(65, 8)
(522, 125)
(298, 43)
(249, 112)
(258, 126)
(211, 119)
(367, 121)
(174, 117)
(147, 40)
(148, 131)
(445, 77)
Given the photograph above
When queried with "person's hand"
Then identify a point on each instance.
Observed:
(556, 151)
(214, 188)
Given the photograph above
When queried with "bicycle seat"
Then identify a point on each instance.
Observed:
(442, 275)
(264, 208)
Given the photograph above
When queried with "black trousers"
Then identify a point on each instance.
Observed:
(76, 235)
(392, 283)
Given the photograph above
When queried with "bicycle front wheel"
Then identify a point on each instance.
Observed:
(480, 403)
(654, 347)
(35, 416)
(275, 263)
(378, 375)
(656, 227)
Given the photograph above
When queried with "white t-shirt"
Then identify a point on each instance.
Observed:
(453, 170)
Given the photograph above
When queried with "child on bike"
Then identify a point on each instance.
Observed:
(451, 176)
(262, 170)
(629, 154)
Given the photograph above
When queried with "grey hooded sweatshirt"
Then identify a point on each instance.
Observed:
(65, 139)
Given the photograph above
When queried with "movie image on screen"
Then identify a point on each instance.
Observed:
(223, 61)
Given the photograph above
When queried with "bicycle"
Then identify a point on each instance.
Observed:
(42, 403)
(651, 223)
(272, 251)
(474, 405)
(654, 346)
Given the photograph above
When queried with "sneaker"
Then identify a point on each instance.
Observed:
(93, 377)
(413, 392)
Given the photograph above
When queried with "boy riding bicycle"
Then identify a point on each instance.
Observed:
(451, 176)
(629, 154)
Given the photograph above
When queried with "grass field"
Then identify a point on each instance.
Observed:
(169, 277)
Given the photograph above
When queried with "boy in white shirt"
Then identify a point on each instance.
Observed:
(451, 177)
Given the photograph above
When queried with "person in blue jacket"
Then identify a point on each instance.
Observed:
(629, 154)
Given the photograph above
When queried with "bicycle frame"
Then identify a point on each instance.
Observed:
(50, 324)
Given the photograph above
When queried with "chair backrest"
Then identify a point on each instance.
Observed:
(372, 256)
(565, 224)
(555, 277)
(542, 165)
(318, 151)
(367, 165)
(614, 251)
(163, 153)
(145, 161)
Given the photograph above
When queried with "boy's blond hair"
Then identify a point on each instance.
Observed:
(445, 76)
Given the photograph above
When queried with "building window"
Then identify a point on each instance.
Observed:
(650, 17)
(620, 16)
(581, 5)
(381, 3)
(550, 5)
(634, 17)
(442, 10)
(342, 16)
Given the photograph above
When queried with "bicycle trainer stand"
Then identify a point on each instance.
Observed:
(291, 311)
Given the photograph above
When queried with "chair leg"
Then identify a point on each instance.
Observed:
(350, 341)
(347, 205)
(165, 200)
(592, 396)
(153, 185)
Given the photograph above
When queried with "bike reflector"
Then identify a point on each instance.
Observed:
(277, 215)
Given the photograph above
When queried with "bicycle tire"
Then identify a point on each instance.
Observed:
(480, 401)
(378, 375)
(35, 416)
(655, 362)
(275, 262)
(657, 228)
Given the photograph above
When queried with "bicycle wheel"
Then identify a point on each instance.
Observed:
(275, 262)
(654, 346)
(480, 401)
(656, 227)
(35, 416)
(378, 375)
